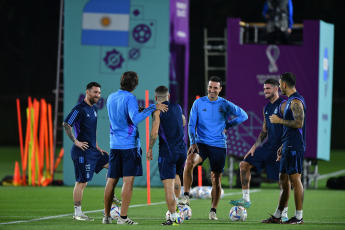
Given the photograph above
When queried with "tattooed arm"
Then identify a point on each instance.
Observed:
(154, 132)
(69, 132)
(261, 138)
(298, 113)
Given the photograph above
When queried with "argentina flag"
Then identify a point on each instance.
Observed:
(106, 23)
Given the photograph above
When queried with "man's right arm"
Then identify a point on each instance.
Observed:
(69, 132)
(263, 133)
(154, 133)
(193, 117)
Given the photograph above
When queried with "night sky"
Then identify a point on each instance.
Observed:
(29, 43)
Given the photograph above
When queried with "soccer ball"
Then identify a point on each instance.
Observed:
(179, 218)
(207, 192)
(115, 212)
(186, 210)
(238, 213)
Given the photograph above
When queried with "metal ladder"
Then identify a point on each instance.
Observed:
(58, 91)
(215, 50)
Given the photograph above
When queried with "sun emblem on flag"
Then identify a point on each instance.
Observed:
(105, 21)
(113, 59)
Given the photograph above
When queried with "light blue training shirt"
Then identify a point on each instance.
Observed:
(124, 117)
(208, 119)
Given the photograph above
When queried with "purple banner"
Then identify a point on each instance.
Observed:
(249, 65)
(179, 53)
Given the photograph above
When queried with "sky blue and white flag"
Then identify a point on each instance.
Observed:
(106, 23)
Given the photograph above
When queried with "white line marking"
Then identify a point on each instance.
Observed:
(101, 210)
(163, 202)
(331, 174)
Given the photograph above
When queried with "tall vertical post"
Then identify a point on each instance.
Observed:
(148, 179)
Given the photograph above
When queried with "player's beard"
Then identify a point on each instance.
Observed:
(93, 100)
(269, 96)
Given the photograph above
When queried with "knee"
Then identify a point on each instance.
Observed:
(190, 163)
(245, 166)
(80, 185)
(216, 179)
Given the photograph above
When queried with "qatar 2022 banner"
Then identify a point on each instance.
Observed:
(105, 38)
(249, 65)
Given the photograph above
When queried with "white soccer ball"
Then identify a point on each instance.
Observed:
(186, 210)
(179, 218)
(194, 192)
(207, 192)
(238, 213)
(115, 212)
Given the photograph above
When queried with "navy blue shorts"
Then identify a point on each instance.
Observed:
(216, 156)
(291, 162)
(87, 162)
(265, 158)
(171, 164)
(125, 162)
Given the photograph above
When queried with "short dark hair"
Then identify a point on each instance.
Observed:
(129, 80)
(289, 79)
(216, 79)
(92, 84)
(161, 90)
(272, 81)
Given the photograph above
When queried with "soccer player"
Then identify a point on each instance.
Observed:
(172, 148)
(87, 156)
(125, 153)
(265, 156)
(207, 125)
(291, 153)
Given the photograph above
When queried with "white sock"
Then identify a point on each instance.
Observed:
(173, 216)
(77, 210)
(299, 214)
(285, 212)
(277, 213)
(245, 193)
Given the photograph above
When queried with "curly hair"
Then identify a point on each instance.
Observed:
(129, 81)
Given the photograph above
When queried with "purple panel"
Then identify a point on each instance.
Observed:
(249, 65)
(179, 53)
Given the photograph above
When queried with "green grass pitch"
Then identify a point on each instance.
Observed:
(52, 207)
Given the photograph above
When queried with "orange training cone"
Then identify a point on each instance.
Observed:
(16, 176)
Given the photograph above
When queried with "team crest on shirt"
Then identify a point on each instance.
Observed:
(276, 110)
(95, 113)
